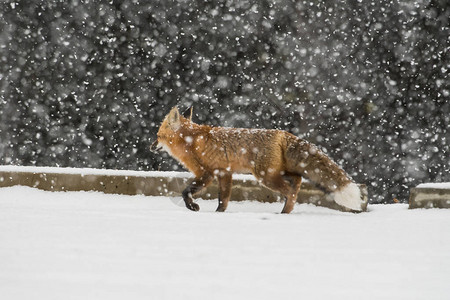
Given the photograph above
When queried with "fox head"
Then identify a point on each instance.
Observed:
(169, 132)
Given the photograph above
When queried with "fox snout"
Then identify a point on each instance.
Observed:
(155, 146)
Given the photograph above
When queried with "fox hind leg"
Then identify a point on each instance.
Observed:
(287, 185)
(295, 182)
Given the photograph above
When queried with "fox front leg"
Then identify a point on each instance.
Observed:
(224, 191)
(195, 186)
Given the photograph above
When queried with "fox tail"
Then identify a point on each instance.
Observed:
(349, 196)
(307, 160)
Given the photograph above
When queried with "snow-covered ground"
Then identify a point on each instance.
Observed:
(79, 245)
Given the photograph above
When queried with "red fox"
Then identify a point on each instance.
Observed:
(278, 159)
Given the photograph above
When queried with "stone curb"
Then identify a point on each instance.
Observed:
(429, 198)
(243, 189)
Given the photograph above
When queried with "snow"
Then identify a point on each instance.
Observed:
(435, 185)
(92, 171)
(85, 245)
(108, 172)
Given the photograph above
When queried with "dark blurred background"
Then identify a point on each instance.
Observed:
(86, 83)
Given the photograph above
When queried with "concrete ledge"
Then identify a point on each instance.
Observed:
(245, 187)
(430, 196)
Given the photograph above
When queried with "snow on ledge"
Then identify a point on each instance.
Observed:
(437, 185)
(108, 172)
(91, 171)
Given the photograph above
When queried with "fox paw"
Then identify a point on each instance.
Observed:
(193, 206)
(220, 209)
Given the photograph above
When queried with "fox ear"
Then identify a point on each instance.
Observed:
(174, 119)
(188, 113)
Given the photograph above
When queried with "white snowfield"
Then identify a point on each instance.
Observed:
(80, 245)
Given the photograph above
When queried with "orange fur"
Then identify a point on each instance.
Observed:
(276, 158)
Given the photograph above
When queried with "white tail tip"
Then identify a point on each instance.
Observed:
(349, 196)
